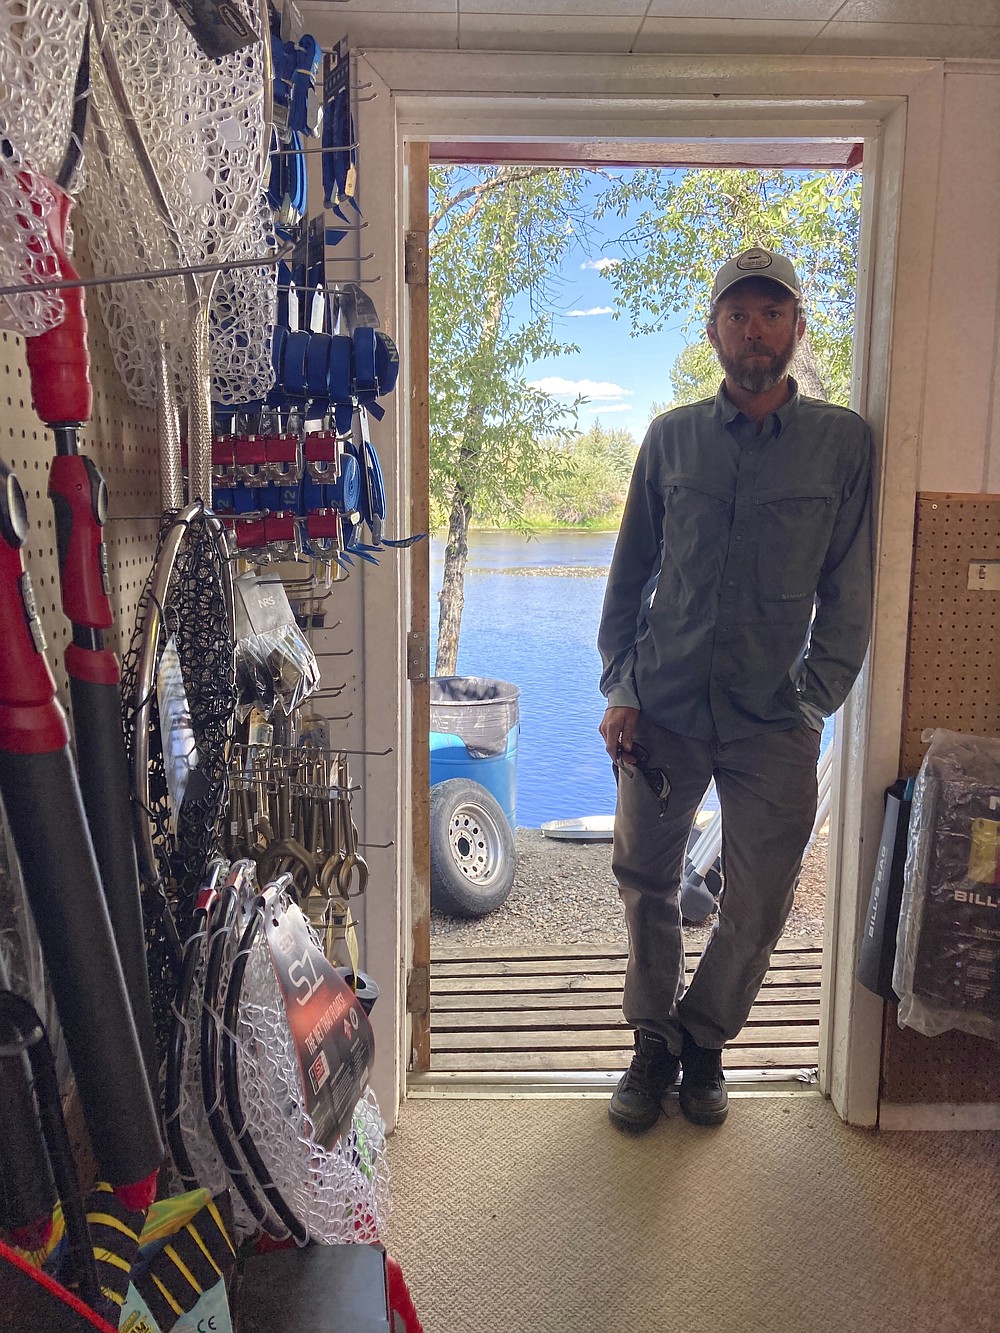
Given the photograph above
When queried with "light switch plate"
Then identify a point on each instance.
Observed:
(985, 575)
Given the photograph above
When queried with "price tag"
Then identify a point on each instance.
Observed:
(333, 1038)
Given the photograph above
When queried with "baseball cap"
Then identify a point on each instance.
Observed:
(756, 263)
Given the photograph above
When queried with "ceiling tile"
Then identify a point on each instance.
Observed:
(751, 10)
(984, 13)
(410, 8)
(496, 32)
(725, 36)
(907, 39)
(607, 9)
(393, 31)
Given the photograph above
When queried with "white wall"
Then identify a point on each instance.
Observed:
(960, 435)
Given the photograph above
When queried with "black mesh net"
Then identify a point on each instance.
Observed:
(195, 612)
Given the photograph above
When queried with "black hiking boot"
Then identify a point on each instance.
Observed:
(635, 1105)
(704, 1099)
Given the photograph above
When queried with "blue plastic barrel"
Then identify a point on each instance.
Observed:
(474, 729)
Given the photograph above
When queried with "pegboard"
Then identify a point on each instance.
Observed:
(953, 669)
(122, 441)
(953, 681)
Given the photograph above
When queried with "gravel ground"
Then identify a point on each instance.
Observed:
(564, 893)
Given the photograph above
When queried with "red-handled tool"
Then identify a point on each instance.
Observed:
(41, 796)
(59, 366)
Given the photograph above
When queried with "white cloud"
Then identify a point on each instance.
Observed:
(600, 390)
(597, 310)
(600, 409)
(600, 265)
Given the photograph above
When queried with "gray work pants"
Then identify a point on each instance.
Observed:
(767, 790)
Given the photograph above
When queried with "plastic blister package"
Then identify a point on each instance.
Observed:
(276, 666)
(947, 969)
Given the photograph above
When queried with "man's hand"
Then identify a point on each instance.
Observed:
(618, 727)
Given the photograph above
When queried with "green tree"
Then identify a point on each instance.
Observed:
(497, 237)
(696, 373)
(593, 487)
(690, 222)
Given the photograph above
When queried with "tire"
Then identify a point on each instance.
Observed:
(473, 858)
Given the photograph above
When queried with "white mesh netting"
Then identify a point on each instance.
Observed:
(128, 239)
(342, 1194)
(199, 128)
(244, 308)
(40, 47)
(201, 120)
(203, 1155)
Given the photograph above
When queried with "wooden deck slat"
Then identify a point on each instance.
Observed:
(606, 1016)
(462, 1002)
(514, 1062)
(609, 1037)
(582, 981)
(448, 953)
(534, 967)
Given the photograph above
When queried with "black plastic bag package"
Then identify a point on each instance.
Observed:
(947, 968)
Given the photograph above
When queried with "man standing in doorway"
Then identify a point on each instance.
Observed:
(736, 618)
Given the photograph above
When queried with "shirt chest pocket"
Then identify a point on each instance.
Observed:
(697, 515)
(793, 530)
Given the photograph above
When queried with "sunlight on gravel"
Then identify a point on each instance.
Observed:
(564, 893)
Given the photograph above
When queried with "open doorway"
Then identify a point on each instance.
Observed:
(570, 948)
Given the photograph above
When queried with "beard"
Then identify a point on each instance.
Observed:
(760, 375)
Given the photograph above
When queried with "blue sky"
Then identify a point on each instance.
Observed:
(622, 375)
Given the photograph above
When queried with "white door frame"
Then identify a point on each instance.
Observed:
(895, 107)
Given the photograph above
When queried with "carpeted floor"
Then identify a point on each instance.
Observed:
(536, 1216)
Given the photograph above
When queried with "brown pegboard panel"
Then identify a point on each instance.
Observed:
(953, 681)
(121, 439)
(953, 669)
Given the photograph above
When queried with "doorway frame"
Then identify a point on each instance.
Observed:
(894, 106)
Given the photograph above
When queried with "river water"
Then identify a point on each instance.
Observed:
(532, 608)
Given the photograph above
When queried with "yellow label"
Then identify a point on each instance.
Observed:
(137, 1323)
(984, 853)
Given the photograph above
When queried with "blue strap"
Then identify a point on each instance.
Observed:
(293, 378)
(318, 366)
(346, 490)
(365, 380)
(386, 363)
(340, 378)
(376, 483)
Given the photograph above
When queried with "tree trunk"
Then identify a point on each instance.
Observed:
(451, 598)
(805, 371)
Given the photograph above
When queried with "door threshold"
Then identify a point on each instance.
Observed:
(593, 1083)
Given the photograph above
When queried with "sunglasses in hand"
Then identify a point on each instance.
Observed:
(656, 779)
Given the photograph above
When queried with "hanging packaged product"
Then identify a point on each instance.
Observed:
(947, 969)
(276, 668)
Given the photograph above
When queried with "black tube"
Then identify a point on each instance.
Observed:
(44, 808)
(27, 1191)
(100, 749)
(22, 1018)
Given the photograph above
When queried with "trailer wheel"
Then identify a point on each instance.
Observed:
(473, 858)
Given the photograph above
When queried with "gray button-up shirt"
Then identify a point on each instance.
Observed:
(739, 595)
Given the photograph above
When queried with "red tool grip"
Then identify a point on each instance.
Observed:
(58, 361)
(31, 721)
(79, 497)
(96, 666)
